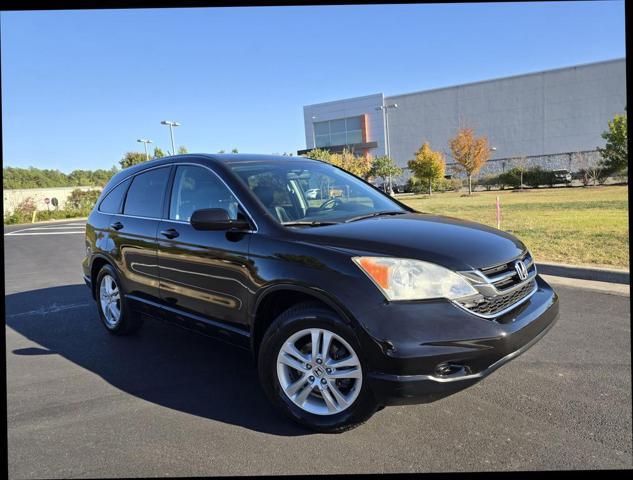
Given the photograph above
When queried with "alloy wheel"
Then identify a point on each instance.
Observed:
(110, 300)
(319, 371)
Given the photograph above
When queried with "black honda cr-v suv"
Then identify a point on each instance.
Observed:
(349, 300)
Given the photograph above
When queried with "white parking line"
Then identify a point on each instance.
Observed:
(64, 229)
(40, 233)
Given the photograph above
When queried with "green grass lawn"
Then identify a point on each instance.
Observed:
(581, 225)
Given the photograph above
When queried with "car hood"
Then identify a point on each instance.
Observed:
(450, 242)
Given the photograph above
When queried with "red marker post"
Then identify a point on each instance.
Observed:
(498, 213)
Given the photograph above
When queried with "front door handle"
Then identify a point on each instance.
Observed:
(117, 225)
(171, 233)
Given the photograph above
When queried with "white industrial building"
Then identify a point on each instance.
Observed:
(554, 117)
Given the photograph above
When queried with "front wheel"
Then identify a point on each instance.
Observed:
(311, 368)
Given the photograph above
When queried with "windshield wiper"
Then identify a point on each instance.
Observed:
(375, 214)
(309, 223)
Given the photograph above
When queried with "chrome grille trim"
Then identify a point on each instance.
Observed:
(491, 289)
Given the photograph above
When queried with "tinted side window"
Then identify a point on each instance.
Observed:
(195, 188)
(145, 196)
(112, 201)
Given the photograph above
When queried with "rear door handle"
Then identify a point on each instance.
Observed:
(117, 225)
(171, 233)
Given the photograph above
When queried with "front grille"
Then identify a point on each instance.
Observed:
(507, 270)
(490, 306)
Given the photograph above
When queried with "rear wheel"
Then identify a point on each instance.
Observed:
(311, 368)
(113, 310)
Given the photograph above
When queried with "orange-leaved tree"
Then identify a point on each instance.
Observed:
(469, 152)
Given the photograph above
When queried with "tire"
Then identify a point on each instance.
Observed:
(332, 416)
(127, 321)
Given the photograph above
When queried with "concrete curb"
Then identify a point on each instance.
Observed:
(609, 275)
(600, 287)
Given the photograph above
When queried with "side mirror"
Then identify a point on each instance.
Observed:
(216, 219)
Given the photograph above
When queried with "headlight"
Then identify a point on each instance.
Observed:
(405, 279)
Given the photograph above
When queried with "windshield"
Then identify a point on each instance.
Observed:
(311, 192)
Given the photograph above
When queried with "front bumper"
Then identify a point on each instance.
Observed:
(457, 349)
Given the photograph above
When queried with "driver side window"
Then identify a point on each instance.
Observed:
(195, 188)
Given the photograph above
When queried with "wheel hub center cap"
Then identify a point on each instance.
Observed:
(318, 371)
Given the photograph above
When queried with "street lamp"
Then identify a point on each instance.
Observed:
(145, 141)
(171, 131)
(314, 117)
(385, 119)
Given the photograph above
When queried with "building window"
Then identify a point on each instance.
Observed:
(343, 131)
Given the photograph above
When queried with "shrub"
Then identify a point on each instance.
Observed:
(591, 176)
(416, 185)
(535, 177)
(511, 178)
(79, 204)
(456, 184)
(82, 200)
(23, 212)
(488, 181)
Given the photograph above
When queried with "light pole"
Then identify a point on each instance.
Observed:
(314, 117)
(171, 131)
(385, 119)
(145, 141)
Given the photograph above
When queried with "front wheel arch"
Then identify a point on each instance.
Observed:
(276, 299)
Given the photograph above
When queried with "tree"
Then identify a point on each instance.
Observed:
(158, 153)
(428, 164)
(14, 177)
(132, 158)
(319, 154)
(182, 150)
(469, 152)
(385, 168)
(356, 165)
(234, 150)
(615, 156)
(522, 163)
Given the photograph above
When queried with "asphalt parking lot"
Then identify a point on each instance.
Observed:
(82, 403)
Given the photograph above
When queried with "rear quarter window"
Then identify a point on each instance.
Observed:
(146, 194)
(113, 200)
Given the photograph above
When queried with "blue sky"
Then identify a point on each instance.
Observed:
(79, 87)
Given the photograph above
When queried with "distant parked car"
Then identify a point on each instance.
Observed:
(399, 188)
(562, 176)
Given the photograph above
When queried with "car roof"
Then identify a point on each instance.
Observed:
(211, 158)
(249, 157)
